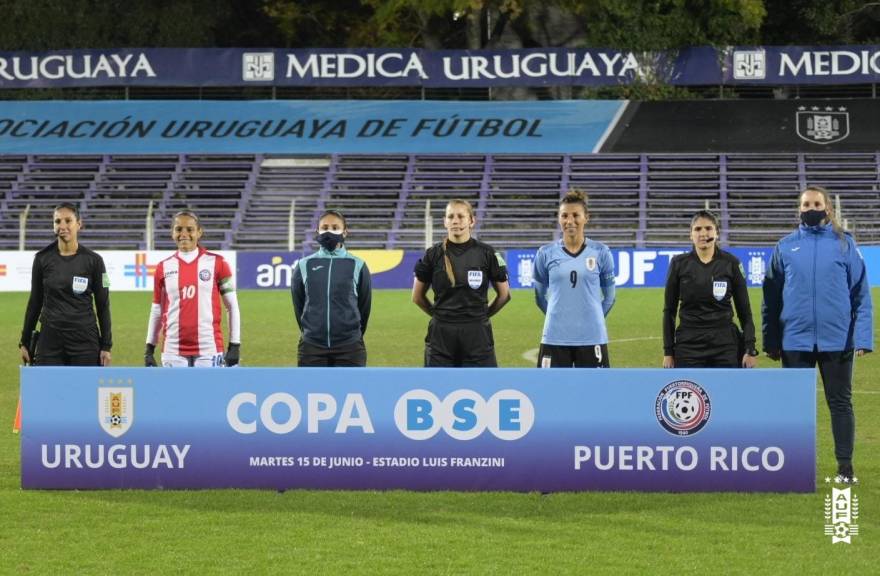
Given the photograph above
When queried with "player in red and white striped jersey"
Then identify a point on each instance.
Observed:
(187, 291)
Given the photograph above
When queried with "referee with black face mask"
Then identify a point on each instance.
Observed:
(68, 284)
(699, 288)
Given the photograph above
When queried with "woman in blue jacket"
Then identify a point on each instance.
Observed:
(817, 310)
(331, 299)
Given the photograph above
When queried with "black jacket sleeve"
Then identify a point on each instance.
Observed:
(670, 308)
(298, 293)
(102, 304)
(743, 307)
(35, 303)
(424, 269)
(497, 267)
(365, 297)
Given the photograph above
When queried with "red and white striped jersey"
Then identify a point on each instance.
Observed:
(189, 295)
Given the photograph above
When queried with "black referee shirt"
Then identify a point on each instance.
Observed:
(476, 265)
(705, 292)
(62, 288)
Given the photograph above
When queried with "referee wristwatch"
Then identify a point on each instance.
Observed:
(753, 352)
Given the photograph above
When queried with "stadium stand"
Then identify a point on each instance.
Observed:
(245, 200)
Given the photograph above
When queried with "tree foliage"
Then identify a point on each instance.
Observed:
(638, 24)
(631, 24)
(316, 23)
(55, 24)
(811, 22)
(59, 24)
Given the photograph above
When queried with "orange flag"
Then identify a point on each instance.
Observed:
(16, 424)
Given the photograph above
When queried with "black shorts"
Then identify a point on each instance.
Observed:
(708, 348)
(309, 355)
(460, 345)
(66, 348)
(555, 356)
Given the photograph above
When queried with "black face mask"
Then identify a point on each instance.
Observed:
(813, 217)
(329, 240)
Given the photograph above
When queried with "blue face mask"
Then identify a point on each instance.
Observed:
(329, 240)
(813, 217)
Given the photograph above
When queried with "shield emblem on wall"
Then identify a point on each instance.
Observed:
(823, 125)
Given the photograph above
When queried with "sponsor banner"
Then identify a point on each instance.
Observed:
(748, 126)
(304, 127)
(702, 65)
(778, 65)
(128, 270)
(274, 270)
(456, 429)
(15, 271)
(261, 270)
(119, 67)
(642, 267)
(131, 270)
(329, 67)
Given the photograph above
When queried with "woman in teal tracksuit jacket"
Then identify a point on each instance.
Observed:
(817, 310)
(331, 299)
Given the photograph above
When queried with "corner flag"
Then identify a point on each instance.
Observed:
(16, 424)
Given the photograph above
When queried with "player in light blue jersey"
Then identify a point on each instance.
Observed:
(574, 287)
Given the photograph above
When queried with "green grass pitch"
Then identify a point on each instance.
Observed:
(331, 532)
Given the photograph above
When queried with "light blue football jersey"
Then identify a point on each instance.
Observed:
(575, 292)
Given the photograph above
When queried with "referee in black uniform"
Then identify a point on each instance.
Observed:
(66, 278)
(699, 287)
(460, 270)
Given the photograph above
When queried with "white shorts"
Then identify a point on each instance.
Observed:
(176, 361)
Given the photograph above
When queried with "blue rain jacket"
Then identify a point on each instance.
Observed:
(816, 294)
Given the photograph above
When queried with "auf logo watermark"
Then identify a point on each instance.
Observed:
(841, 514)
